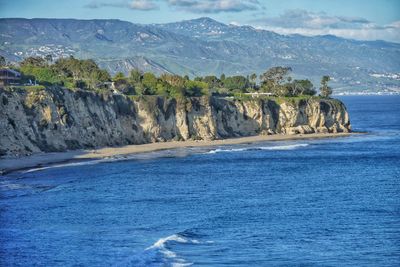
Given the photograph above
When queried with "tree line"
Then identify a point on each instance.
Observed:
(86, 74)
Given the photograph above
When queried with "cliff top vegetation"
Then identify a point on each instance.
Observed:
(85, 74)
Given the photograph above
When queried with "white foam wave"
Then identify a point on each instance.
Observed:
(161, 254)
(287, 147)
(138, 156)
(79, 163)
(157, 154)
(162, 246)
(282, 147)
(218, 150)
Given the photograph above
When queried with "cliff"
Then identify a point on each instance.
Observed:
(56, 119)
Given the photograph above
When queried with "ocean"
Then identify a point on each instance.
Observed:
(322, 202)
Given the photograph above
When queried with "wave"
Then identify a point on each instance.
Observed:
(160, 154)
(85, 162)
(161, 253)
(282, 147)
(218, 150)
(287, 147)
(162, 247)
(70, 164)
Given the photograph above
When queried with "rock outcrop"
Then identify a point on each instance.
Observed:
(56, 119)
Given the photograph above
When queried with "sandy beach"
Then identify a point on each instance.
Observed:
(8, 165)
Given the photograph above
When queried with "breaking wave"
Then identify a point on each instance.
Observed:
(162, 154)
(162, 254)
(282, 147)
(287, 147)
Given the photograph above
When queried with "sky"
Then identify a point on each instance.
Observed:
(356, 19)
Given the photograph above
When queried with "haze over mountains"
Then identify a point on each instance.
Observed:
(204, 46)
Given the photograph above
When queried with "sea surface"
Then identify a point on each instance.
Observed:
(323, 202)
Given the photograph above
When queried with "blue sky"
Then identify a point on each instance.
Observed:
(358, 19)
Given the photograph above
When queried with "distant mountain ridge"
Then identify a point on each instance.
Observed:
(204, 46)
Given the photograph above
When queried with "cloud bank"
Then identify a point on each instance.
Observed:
(214, 6)
(192, 6)
(311, 23)
(144, 5)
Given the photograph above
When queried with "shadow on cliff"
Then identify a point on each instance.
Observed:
(245, 118)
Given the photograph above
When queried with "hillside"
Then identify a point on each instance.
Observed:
(204, 46)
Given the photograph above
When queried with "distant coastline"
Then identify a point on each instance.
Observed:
(367, 93)
(38, 160)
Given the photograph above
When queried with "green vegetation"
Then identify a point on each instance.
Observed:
(3, 61)
(85, 74)
(277, 81)
(68, 72)
(326, 91)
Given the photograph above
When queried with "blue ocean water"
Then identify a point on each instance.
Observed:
(331, 202)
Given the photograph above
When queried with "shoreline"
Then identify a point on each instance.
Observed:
(8, 165)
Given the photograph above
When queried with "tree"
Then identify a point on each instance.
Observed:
(43, 75)
(239, 83)
(135, 76)
(3, 61)
(273, 80)
(162, 88)
(92, 74)
(252, 79)
(326, 91)
(196, 88)
(119, 76)
(174, 80)
(301, 87)
(212, 81)
(69, 72)
(139, 89)
(149, 82)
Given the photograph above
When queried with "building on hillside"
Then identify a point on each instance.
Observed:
(9, 76)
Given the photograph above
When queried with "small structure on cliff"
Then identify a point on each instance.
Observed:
(9, 76)
(257, 94)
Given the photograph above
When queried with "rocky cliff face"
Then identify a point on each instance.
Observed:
(55, 119)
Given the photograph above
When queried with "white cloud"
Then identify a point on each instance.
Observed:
(192, 6)
(143, 5)
(310, 23)
(135, 4)
(215, 6)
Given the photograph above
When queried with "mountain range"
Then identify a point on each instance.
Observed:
(204, 46)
